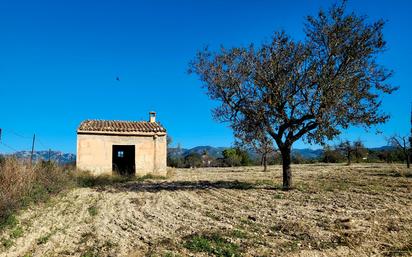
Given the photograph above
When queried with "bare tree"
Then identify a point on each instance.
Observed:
(359, 150)
(309, 89)
(346, 149)
(401, 143)
(355, 149)
(259, 142)
(331, 154)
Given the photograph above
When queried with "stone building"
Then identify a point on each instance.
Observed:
(124, 147)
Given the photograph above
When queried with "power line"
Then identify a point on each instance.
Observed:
(2, 136)
(15, 133)
(41, 143)
(9, 131)
(6, 145)
(25, 137)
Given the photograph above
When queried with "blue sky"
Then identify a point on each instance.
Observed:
(59, 61)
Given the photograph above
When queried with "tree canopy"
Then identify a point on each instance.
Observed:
(310, 89)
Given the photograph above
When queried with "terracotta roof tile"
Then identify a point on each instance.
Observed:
(120, 126)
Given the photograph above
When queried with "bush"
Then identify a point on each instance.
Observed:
(213, 244)
(22, 184)
(236, 157)
(175, 162)
(193, 160)
(331, 155)
(85, 179)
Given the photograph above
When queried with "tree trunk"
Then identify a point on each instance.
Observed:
(408, 160)
(265, 162)
(349, 159)
(287, 172)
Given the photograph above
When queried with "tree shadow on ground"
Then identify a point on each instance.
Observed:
(156, 186)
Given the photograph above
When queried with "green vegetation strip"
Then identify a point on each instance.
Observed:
(213, 244)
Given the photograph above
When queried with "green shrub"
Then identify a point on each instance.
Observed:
(43, 239)
(212, 244)
(8, 221)
(237, 233)
(16, 232)
(85, 179)
(149, 176)
(236, 157)
(7, 243)
(92, 210)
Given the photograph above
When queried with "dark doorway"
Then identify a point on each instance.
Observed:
(123, 159)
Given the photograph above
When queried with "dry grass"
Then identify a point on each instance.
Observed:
(21, 184)
(335, 210)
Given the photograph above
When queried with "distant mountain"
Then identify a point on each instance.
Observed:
(308, 153)
(382, 148)
(210, 150)
(216, 152)
(57, 156)
(176, 152)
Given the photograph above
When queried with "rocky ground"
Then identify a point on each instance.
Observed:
(334, 210)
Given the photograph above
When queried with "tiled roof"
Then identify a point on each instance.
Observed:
(114, 126)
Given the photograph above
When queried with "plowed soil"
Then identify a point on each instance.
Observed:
(334, 210)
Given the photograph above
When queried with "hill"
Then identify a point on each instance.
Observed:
(57, 156)
(216, 152)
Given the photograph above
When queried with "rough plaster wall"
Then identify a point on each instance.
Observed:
(94, 153)
(161, 154)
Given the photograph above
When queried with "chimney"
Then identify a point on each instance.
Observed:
(152, 116)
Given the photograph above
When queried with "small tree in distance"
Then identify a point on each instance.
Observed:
(402, 144)
(309, 89)
(193, 160)
(257, 141)
(359, 150)
(331, 154)
(346, 149)
(235, 157)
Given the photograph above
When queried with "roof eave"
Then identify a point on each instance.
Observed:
(120, 133)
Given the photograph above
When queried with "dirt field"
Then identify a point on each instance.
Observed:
(335, 210)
